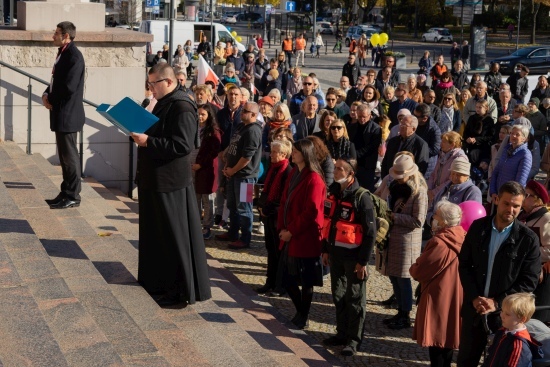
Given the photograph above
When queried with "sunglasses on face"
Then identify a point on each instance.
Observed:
(331, 99)
(308, 83)
(336, 127)
(447, 99)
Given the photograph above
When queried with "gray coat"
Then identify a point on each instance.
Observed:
(406, 234)
(457, 194)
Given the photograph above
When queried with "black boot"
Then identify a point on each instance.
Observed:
(404, 321)
(392, 319)
(390, 302)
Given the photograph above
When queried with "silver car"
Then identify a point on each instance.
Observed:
(438, 35)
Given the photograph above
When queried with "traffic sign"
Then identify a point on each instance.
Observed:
(290, 6)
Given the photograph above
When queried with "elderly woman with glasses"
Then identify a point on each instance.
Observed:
(338, 142)
(515, 162)
(535, 215)
(437, 324)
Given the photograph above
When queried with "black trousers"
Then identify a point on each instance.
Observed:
(473, 339)
(440, 357)
(70, 164)
(272, 246)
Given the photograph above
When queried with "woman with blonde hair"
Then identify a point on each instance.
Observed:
(450, 114)
(465, 95)
(338, 142)
(451, 149)
(280, 117)
(387, 98)
(408, 201)
(414, 93)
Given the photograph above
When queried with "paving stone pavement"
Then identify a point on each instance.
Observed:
(381, 346)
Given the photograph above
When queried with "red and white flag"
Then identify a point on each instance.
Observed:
(253, 88)
(247, 192)
(205, 73)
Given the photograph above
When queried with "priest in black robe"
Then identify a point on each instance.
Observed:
(172, 257)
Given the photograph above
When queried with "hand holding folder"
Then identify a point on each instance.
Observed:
(128, 116)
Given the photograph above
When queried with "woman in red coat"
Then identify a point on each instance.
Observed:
(299, 224)
(437, 323)
(206, 165)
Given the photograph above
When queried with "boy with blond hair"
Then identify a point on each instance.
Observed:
(512, 345)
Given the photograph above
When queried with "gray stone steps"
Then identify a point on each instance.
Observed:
(90, 285)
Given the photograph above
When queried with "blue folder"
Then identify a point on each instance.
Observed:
(128, 116)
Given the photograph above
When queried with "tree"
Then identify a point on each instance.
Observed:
(366, 6)
(535, 6)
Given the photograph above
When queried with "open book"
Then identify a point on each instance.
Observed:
(128, 116)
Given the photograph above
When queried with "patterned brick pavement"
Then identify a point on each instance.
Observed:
(381, 346)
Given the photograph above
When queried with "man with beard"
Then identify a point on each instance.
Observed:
(172, 257)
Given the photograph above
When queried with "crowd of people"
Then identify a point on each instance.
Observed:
(382, 161)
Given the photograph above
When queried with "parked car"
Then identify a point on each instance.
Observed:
(324, 27)
(536, 58)
(229, 17)
(258, 23)
(438, 35)
(374, 26)
(356, 32)
(248, 17)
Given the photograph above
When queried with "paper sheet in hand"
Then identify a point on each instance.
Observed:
(128, 116)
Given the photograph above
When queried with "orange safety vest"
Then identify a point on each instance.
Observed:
(287, 45)
(347, 232)
(300, 44)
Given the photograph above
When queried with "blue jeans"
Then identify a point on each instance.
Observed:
(240, 213)
(402, 289)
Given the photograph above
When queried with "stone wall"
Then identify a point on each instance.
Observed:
(115, 68)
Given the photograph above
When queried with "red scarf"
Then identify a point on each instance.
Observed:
(274, 181)
(276, 124)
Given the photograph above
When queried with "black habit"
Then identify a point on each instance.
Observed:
(172, 256)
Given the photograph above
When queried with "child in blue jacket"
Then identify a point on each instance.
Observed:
(512, 345)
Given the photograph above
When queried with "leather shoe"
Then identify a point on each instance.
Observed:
(168, 300)
(334, 341)
(56, 200)
(65, 203)
(238, 245)
(348, 351)
(264, 289)
(223, 237)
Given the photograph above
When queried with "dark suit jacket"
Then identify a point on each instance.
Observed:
(66, 92)
(516, 267)
(414, 144)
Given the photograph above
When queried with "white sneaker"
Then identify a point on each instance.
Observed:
(260, 229)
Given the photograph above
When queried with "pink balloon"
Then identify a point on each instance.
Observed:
(471, 210)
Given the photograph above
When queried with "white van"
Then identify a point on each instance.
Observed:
(184, 31)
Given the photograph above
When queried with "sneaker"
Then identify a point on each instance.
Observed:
(260, 229)
(224, 237)
(206, 234)
(238, 245)
(348, 351)
(334, 341)
(223, 224)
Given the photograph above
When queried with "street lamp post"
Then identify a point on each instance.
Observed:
(416, 19)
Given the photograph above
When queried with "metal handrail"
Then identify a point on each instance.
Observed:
(81, 132)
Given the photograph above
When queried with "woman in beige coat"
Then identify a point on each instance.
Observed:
(437, 324)
(408, 201)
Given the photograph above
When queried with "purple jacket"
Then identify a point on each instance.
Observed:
(441, 174)
(514, 166)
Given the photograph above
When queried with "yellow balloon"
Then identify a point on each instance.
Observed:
(384, 39)
(239, 38)
(375, 39)
(234, 34)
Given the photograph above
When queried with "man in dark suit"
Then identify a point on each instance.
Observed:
(64, 98)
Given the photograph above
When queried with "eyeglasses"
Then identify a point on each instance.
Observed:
(448, 99)
(336, 127)
(531, 195)
(331, 99)
(307, 83)
(152, 84)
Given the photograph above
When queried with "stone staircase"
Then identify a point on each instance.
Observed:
(69, 295)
